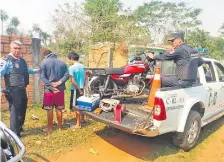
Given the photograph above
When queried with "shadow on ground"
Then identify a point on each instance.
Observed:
(40, 130)
(27, 159)
(149, 149)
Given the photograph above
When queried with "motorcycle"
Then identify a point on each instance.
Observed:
(127, 81)
(12, 148)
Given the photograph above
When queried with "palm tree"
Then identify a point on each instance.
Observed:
(37, 30)
(12, 28)
(45, 37)
(41, 34)
(4, 17)
(15, 22)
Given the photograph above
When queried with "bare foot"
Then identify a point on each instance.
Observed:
(76, 126)
(46, 130)
(59, 129)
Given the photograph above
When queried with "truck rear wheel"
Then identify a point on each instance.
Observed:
(191, 132)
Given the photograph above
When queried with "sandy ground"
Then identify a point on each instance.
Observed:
(124, 147)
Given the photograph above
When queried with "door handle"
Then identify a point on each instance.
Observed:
(222, 87)
(209, 89)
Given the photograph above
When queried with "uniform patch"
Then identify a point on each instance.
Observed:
(17, 65)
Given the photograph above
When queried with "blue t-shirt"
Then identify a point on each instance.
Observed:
(78, 72)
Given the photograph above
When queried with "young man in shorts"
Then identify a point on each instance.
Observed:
(77, 76)
(54, 74)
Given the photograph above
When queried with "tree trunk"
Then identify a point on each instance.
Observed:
(2, 27)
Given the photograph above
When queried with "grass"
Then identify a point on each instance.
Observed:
(39, 143)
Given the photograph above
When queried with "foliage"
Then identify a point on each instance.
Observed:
(162, 17)
(73, 29)
(96, 21)
(111, 23)
(12, 28)
(221, 30)
(104, 19)
(4, 17)
(201, 39)
(38, 32)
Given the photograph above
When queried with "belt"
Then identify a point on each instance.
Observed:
(23, 86)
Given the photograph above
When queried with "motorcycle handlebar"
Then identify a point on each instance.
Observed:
(136, 57)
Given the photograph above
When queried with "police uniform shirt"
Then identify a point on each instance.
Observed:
(181, 56)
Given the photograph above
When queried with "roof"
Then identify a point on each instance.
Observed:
(209, 59)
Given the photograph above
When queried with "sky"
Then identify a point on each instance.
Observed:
(40, 12)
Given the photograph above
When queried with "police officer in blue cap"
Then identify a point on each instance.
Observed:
(182, 56)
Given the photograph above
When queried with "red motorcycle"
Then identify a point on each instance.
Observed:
(127, 81)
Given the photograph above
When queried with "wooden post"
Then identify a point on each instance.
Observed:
(110, 57)
(36, 60)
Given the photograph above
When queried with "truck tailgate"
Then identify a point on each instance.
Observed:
(132, 121)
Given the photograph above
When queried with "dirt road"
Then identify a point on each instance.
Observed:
(123, 147)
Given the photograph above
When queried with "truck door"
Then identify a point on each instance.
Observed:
(220, 84)
(211, 87)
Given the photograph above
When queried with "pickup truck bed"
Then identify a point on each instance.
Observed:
(133, 120)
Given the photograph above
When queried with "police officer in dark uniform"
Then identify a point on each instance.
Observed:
(16, 81)
(182, 56)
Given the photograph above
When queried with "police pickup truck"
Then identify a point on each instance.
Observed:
(179, 111)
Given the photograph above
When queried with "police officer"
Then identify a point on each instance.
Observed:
(16, 77)
(181, 54)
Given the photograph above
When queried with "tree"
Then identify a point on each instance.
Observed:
(221, 30)
(163, 17)
(73, 29)
(4, 17)
(198, 38)
(38, 32)
(12, 28)
(201, 39)
(36, 29)
(112, 23)
(104, 19)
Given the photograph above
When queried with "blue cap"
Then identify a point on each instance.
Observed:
(176, 35)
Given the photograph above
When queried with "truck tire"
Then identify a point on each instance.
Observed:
(191, 132)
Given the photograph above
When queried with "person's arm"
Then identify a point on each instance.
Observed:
(5, 66)
(33, 71)
(75, 85)
(71, 73)
(63, 79)
(43, 77)
(176, 54)
(66, 75)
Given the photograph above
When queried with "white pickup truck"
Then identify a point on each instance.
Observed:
(182, 111)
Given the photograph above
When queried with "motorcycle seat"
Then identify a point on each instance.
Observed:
(110, 71)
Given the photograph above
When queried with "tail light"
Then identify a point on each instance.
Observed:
(159, 111)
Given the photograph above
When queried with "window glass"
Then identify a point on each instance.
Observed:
(220, 71)
(209, 72)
